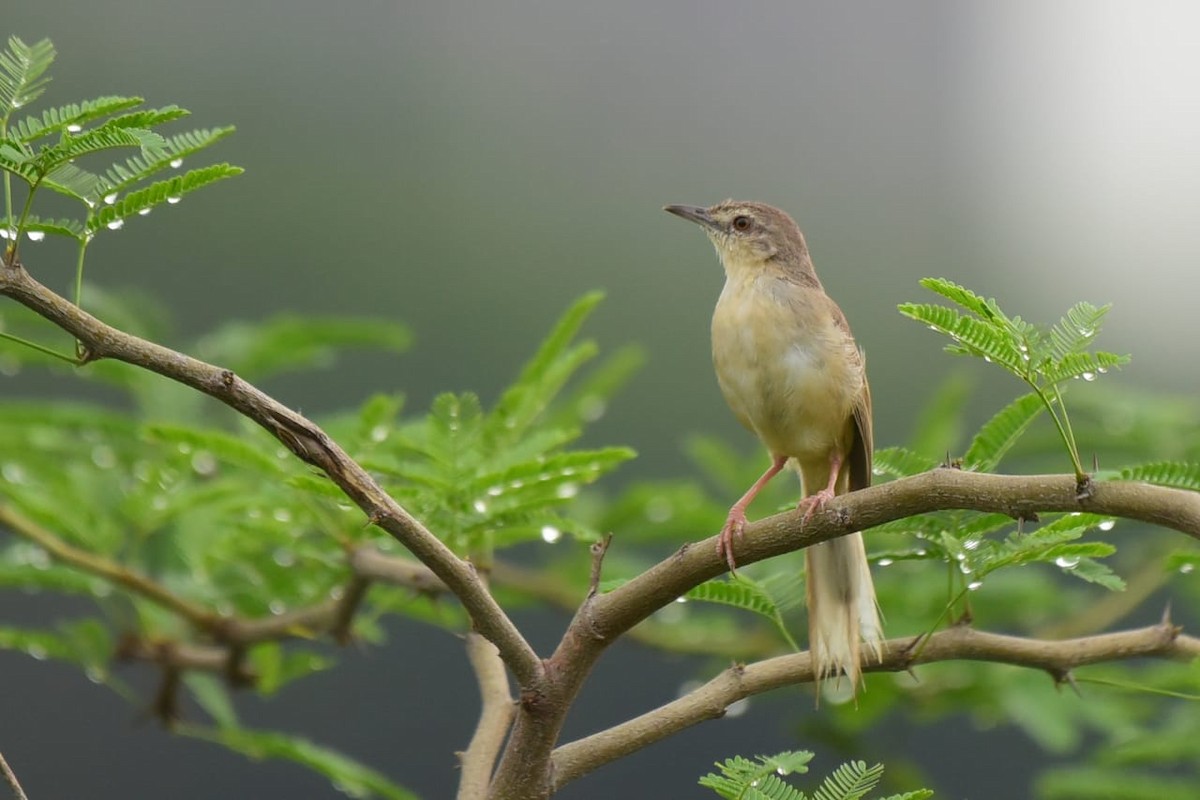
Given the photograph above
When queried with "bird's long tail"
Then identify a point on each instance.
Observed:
(841, 607)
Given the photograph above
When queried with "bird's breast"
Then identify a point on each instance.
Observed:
(788, 372)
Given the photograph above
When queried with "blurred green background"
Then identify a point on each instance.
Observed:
(472, 167)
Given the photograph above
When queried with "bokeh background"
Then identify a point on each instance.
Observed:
(472, 167)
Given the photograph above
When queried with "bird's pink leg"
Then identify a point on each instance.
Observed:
(736, 521)
(815, 502)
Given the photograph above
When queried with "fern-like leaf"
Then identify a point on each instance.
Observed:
(850, 781)
(120, 177)
(168, 191)
(1179, 475)
(900, 462)
(70, 118)
(23, 73)
(971, 336)
(1075, 331)
(70, 228)
(742, 593)
(72, 181)
(106, 137)
(1001, 432)
(289, 342)
(544, 375)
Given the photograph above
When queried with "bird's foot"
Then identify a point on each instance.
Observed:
(814, 503)
(735, 523)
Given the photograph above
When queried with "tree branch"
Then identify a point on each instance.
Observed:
(710, 701)
(608, 616)
(303, 438)
(1019, 496)
(495, 717)
(10, 778)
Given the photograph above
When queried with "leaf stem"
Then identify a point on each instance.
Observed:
(40, 348)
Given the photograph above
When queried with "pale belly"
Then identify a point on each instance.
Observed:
(791, 384)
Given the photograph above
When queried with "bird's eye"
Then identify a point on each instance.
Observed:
(741, 223)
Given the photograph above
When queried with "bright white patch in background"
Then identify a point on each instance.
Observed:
(1076, 138)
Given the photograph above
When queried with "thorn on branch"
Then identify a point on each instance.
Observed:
(228, 378)
(598, 550)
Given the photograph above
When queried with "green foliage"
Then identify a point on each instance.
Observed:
(49, 149)
(762, 779)
(1042, 358)
(347, 775)
(745, 593)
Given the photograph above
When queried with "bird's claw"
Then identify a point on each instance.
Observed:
(734, 525)
(814, 503)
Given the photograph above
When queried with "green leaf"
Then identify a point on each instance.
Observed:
(70, 228)
(544, 375)
(291, 341)
(1179, 475)
(1075, 331)
(743, 593)
(940, 422)
(213, 696)
(900, 462)
(971, 336)
(346, 774)
(240, 450)
(850, 781)
(96, 140)
(73, 181)
(1001, 432)
(65, 118)
(168, 191)
(119, 177)
(23, 73)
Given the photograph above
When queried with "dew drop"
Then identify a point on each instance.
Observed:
(1107, 525)
(659, 509)
(5, 233)
(282, 515)
(104, 457)
(277, 607)
(173, 200)
(974, 585)
(36, 236)
(379, 433)
(592, 408)
(74, 127)
(495, 491)
(1186, 569)
(550, 534)
(37, 651)
(143, 212)
(13, 472)
(1067, 562)
(885, 562)
(204, 464)
(176, 163)
(971, 544)
(480, 506)
(567, 490)
(988, 359)
(110, 198)
(681, 599)
(739, 707)
(116, 225)
(94, 674)
(1088, 376)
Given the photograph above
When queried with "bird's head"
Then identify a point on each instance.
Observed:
(749, 236)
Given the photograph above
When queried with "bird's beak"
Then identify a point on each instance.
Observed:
(696, 214)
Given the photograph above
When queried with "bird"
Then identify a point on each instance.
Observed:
(790, 370)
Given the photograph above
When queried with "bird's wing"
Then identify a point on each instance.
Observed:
(863, 444)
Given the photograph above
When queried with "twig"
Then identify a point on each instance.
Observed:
(710, 701)
(495, 717)
(11, 778)
(303, 438)
(598, 549)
